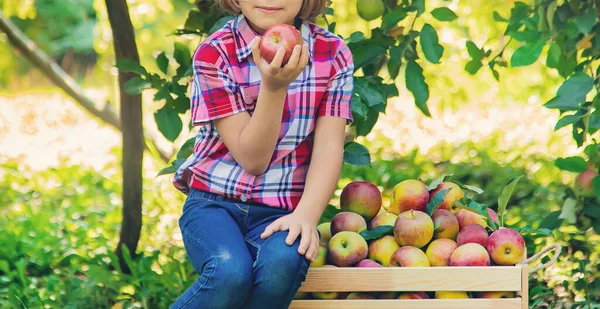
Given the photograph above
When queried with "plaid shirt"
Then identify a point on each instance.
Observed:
(226, 82)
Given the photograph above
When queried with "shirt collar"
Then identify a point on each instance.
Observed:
(244, 37)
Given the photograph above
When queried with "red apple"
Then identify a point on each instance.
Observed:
(439, 251)
(414, 295)
(453, 194)
(409, 194)
(386, 218)
(447, 224)
(381, 250)
(472, 233)
(413, 228)
(470, 255)
(506, 246)
(346, 249)
(493, 215)
(368, 264)
(409, 256)
(328, 295)
(495, 295)
(361, 197)
(278, 36)
(347, 221)
(583, 182)
(466, 217)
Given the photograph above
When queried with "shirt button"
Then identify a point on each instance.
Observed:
(243, 198)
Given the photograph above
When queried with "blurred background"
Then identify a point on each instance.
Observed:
(60, 167)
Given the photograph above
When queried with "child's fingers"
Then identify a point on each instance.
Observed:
(271, 228)
(313, 248)
(256, 49)
(294, 59)
(293, 233)
(276, 63)
(305, 240)
(304, 57)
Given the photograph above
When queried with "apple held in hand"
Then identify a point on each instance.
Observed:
(346, 249)
(506, 246)
(361, 197)
(278, 36)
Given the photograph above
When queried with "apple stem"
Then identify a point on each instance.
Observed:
(412, 213)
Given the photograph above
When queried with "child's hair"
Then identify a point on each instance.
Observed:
(310, 8)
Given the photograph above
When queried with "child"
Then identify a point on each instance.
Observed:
(267, 156)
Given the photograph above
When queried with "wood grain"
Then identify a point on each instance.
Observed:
(504, 303)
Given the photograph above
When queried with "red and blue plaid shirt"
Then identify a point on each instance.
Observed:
(226, 82)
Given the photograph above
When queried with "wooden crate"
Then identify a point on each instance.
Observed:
(423, 279)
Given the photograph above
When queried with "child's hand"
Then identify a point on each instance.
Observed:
(274, 77)
(298, 225)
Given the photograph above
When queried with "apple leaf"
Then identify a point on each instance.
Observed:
(596, 186)
(430, 43)
(478, 208)
(569, 210)
(136, 85)
(128, 65)
(329, 213)
(434, 184)
(551, 221)
(444, 14)
(527, 54)
(492, 225)
(571, 164)
(437, 227)
(356, 154)
(168, 122)
(505, 196)
(377, 232)
(436, 201)
(527, 229)
(171, 169)
(415, 83)
(468, 187)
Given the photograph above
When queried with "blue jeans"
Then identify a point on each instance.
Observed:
(237, 268)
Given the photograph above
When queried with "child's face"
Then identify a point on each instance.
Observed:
(263, 14)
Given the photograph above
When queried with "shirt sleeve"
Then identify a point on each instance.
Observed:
(337, 100)
(214, 93)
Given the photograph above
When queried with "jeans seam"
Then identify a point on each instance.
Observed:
(253, 243)
(209, 276)
(304, 267)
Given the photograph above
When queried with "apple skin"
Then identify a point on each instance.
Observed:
(328, 295)
(472, 233)
(454, 194)
(439, 251)
(366, 263)
(448, 224)
(583, 182)
(470, 255)
(409, 256)
(359, 295)
(386, 218)
(495, 295)
(493, 215)
(301, 295)
(277, 36)
(381, 250)
(466, 217)
(347, 248)
(361, 197)
(413, 228)
(506, 246)
(414, 295)
(347, 221)
(370, 9)
(408, 194)
(321, 258)
(450, 294)
(325, 232)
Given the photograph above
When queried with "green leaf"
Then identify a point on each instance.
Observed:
(220, 23)
(435, 201)
(526, 36)
(136, 85)
(128, 65)
(498, 17)
(168, 122)
(163, 93)
(356, 154)
(586, 22)
(527, 54)
(364, 126)
(505, 196)
(596, 186)
(329, 213)
(162, 62)
(468, 187)
(418, 5)
(377, 232)
(444, 14)
(475, 52)
(551, 221)
(569, 119)
(186, 149)
(571, 164)
(182, 55)
(478, 208)
(554, 54)
(395, 61)
(415, 83)
(356, 37)
(594, 123)
(172, 168)
(429, 43)
(550, 14)
(592, 210)
(368, 92)
(572, 92)
(473, 66)
(435, 183)
(358, 107)
(392, 18)
(568, 212)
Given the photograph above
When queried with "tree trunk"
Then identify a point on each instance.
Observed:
(132, 128)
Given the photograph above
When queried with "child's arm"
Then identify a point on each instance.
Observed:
(252, 139)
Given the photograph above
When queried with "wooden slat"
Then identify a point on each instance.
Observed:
(525, 287)
(504, 303)
(350, 279)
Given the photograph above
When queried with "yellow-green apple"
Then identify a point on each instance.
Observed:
(347, 221)
(321, 258)
(386, 295)
(325, 232)
(381, 250)
(360, 295)
(495, 295)
(472, 233)
(466, 217)
(408, 194)
(493, 215)
(451, 294)
(583, 182)
(439, 251)
(506, 246)
(453, 194)
(386, 218)
(301, 295)
(447, 224)
(413, 228)
(470, 255)
(276, 37)
(414, 295)
(328, 295)
(409, 256)
(368, 263)
(369, 9)
(347, 248)
(361, 197)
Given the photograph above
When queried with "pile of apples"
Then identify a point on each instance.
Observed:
(453, 235)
